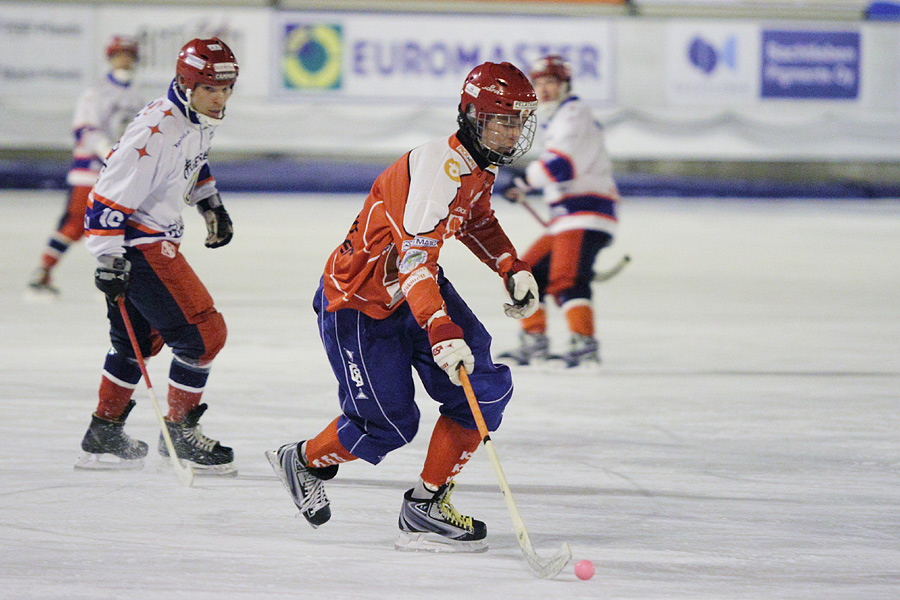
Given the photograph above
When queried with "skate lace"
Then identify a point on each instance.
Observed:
(195, 436)
(314, 497)
(449, 512)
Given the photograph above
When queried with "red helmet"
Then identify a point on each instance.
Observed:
(206, 62)
(121, 43)
(551, 66)
(497, 89)
(503, 92)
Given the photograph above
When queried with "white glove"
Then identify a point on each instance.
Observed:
(449, 353)
(523, 290)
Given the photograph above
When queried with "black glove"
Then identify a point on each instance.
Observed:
(112, 276)
(218, 223)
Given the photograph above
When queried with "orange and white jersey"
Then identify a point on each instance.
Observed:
(158, 167)
(101, 115)
(432, 193)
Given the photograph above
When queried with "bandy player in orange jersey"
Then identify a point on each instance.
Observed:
(385, 308)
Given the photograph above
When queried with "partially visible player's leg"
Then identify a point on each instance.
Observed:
(69, 230)
(534, 345)
(428, 520)
(167, 292)
(105, 444)
(571, 273)
(376, 393)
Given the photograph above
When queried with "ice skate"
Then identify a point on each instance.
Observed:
(106, 446)
(533, 347)
(584, 351)
(40, 287)
(206, 456)
(434, 525)
(304, 483)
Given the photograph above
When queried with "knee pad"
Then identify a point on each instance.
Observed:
(214, 332)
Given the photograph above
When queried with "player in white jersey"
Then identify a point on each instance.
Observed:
(133, 226)
(101, 115)
(575, 173)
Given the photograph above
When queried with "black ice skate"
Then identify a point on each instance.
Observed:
(304, 483)
(436, 526)
(583, 351)
(206, 456)
(532, 347)
(107, 446)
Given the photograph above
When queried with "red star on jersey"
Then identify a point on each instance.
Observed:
(168, 113)
(142, 152)
(155, 129)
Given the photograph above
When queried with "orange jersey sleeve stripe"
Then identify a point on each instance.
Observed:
(109, 203)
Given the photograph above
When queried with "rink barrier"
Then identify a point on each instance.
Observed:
(285, 175)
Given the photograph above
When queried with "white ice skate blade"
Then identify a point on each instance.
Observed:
(107, 462)
(433, 542)
(226, 470)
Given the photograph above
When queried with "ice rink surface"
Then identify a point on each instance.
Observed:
(741, 440)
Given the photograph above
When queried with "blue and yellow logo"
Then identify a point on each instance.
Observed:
(313, 56)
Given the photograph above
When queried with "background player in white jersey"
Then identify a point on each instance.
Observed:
(101, 115)
(385, 308)
(133, 225)
(575, 172)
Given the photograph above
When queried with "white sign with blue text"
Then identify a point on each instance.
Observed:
(426, 57)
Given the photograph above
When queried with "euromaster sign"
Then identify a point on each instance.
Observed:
(426, 57)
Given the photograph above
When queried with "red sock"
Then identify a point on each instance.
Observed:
(326, 449)
(450, 449)
(113, 399)
(536, 323)
(180, 402)
(580, 318)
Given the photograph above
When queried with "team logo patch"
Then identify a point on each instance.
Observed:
(168, 249)
(418, 242)
(451, 168)
(412, 259)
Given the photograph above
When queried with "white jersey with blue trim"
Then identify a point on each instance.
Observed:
(158, 167)
(102, 113)
(575, 171)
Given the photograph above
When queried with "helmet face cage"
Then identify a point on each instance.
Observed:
(206, 62)
(497, 109)
(504, 137)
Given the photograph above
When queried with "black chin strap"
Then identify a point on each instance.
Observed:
(466, 135)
